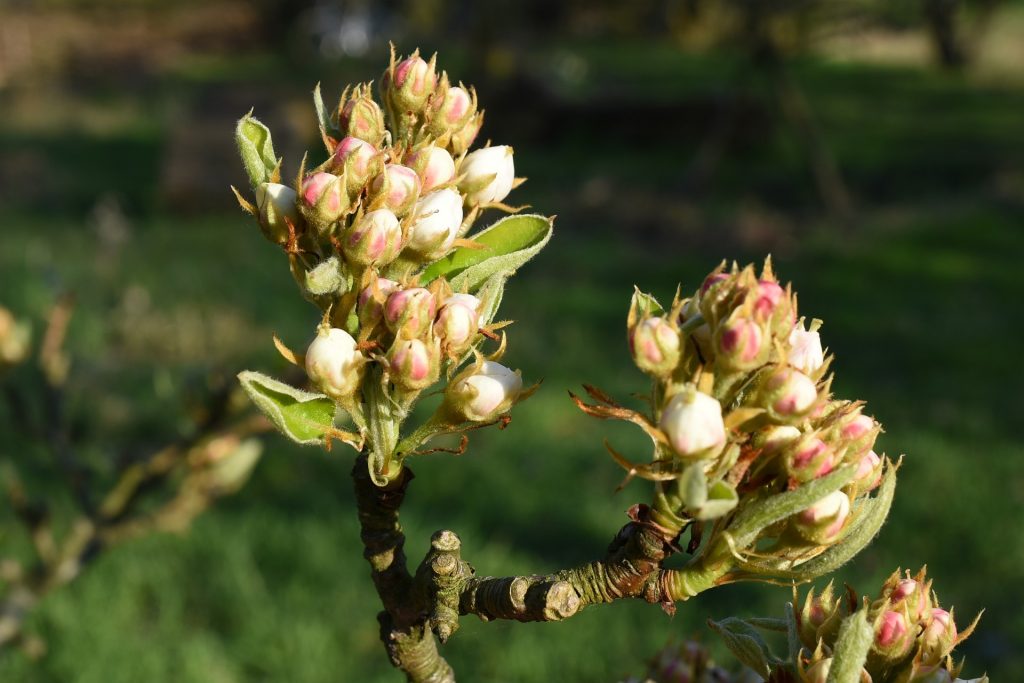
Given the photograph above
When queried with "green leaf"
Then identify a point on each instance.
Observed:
(256, 149)
(759, 514)
(693, 486)
(722, 498)
(746, 643)
(302, 416)
(851, 650)
(321, 111)
(793, 643)
(507, 245)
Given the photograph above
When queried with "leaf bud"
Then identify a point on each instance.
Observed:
(692, 421)
(823, 521)
(457, 323)
(409, 313)
(413, 365)
(434, 166)
(276, 206)
(334, 364)
(484, 392)
(655, 346)
(396, 188)
(436, 220)
(486, 175)
(376, 239)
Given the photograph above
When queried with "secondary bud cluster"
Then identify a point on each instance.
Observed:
(689, 662)
(913, 636)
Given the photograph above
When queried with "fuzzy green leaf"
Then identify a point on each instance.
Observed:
(851, 650)
(693, 486)
(793, 643)
(759, 514)
(302, 416)
(645, 305)
(746, 643)
(256, 148)
(321, 111)
(507, 245)
(721, 500)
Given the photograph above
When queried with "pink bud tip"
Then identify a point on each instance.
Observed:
(769, 294)
(315, 186)
(892, 629)
(712, 280)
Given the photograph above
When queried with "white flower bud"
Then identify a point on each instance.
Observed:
(805, 353)
(487, 175)
(436, 221)
(485, 392)
(334, 364)
(693, 423)
(434, 165)
(457, 322)
(822, 521)
(275, 203)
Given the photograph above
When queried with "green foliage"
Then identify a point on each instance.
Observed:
(303, 417)
(855, 638)
(256, 149)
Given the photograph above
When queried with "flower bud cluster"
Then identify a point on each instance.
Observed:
(689, 662)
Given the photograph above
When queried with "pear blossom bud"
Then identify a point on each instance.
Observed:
(452, 112)
(370, 305)
(358, 160)
(362, 118)
(693, 423)
(859, 433)
(375, 240)
(397, 188)
(769, 297)
(463, 139)
(893, 637)
(334, 364)
(409, 312)
(483, 393)
(434, 165)
(822, 521)
(409, 84)
(805, 352)
(437, 218)
(487, 175)
(913, 595)
(325, 200)
(655, 343)
(787, 394)
(457, 322)
(820, 617)
(740, 344)
(773, 439)
(413, 364)
(938, 637)
(276, 205)
(809, 458)
(869, 470)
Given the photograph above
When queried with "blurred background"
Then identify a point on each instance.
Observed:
(874, 148)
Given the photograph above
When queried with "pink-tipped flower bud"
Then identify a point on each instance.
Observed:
(484, 392)
(452, 112)
(436, 220)
(375, 239)
(358, 160)
(324, 200)
(370, 305)
(413, 365)
(409, 313)
(277, 208)
(463, 139)
(805, 353)
(809, 458)
(457, 321)
(773, 440)
(787, 394)
(820, 617)
(823, 521)
(434, 165)
(692, 421)
(487, 175)
(655, 345)
(741, 344)
(939, 637)
(397, 189)
(893, 637)
(334, 364)
(858, 433)
(409, 84)
(869, 470)
(912, 595)
(769, 297)
(362, 118)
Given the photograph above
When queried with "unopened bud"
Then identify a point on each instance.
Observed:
(740, 344)
(276, 205)
(818, 672)
(413, 365)
(409, 312)
(375, 240)
(893, 638)
(334, 364)
(805, 353)
(487, 175)
(822, 521)
(397, 189)
(452, 112)
(787, 394)
(325, 200)
(362, 118)
(809, 458)
(772, 440)
(409, 84)
(370, 305)
(436, 218)
(457, 322)
(463, 139)
(769, 298)
(484, 393)
(869, 470)
(692, 421)
(655, 344)
(434, 165)
(358, 160)
(820, 617)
